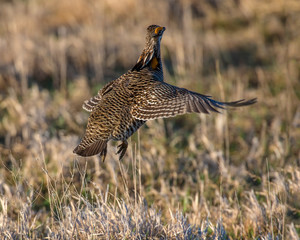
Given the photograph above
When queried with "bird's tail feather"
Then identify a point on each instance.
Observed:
(93, 149)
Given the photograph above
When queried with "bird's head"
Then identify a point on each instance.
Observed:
(154, 34)
(152, 48)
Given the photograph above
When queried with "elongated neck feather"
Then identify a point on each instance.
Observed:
(150, 56)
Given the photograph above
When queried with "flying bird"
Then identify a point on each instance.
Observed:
(123, 105)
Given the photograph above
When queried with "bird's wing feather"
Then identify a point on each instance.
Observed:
(162, 100)
(89, 105)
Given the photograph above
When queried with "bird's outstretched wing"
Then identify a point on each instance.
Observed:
(163, 100)
(89, 105)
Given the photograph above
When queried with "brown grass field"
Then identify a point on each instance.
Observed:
(234, 175)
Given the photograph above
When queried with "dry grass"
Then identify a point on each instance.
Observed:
(229, 176)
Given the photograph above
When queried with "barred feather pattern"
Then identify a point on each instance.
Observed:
(125, 104)
(162, 100)
(90, 104)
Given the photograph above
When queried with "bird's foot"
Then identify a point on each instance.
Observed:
(103, 153)
(122, 149)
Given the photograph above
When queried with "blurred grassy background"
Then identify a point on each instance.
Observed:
(241, 167)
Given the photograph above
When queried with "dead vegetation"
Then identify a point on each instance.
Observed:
(229, 176)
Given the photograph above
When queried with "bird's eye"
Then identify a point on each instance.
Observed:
(158, 30)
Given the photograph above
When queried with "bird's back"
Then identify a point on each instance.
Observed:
(111, 110)
(139, 95)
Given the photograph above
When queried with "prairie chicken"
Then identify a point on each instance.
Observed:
(125, 104)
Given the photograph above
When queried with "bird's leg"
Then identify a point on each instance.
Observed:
(122, 149)
(103, 153)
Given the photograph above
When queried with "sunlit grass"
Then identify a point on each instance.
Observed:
(232, 175)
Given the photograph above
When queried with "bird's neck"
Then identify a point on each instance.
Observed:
(150, 58)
